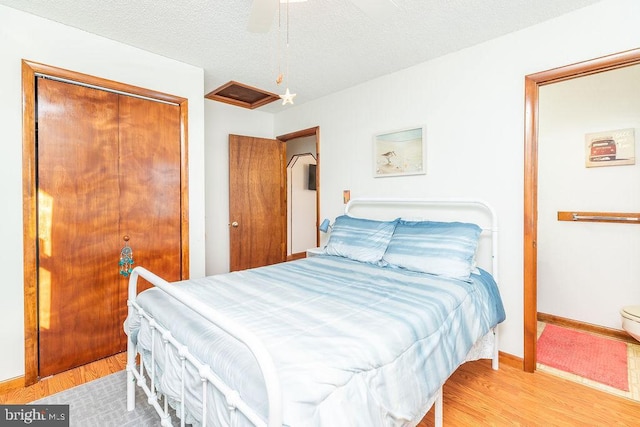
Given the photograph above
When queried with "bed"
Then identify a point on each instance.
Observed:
(364, 334)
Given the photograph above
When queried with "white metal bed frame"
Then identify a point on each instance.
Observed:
(146, 381)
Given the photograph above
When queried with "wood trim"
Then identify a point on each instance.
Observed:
(530, 268)
(284, 209)
(295, 256)
(318, 181)
(29, 71)
(510, 360)
(580, 69)
(184, 187)
(12, 384)
(101, 82)
(618, 217)
(29, 234)
(617, 334)
(532, 84)
(299, 134)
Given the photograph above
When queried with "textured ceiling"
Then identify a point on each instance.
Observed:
(333, 43)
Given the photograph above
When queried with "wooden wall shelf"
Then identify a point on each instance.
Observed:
(619, 217)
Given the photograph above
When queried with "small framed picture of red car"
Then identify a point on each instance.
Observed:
(610, 148)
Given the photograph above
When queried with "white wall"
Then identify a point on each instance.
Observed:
(305, 144)
(221, 121)
(24, 36)
(472, 104)
(587, 271)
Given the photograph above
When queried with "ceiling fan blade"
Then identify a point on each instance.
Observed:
(262, 13)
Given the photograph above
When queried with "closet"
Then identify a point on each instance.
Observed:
(108, 176)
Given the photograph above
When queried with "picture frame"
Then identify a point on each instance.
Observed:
(610, 148)
(399, 152)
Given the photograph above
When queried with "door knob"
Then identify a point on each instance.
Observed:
(234, 224)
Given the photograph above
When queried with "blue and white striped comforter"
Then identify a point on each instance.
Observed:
(354, 344)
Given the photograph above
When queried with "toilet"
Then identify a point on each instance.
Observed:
(631, 320)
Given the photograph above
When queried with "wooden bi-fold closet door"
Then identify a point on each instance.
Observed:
(108, 166)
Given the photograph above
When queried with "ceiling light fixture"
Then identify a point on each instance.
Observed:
(287, 97)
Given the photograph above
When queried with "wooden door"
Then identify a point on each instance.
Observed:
(150, 199)
(78, 193)
(109, 165)
(257, 204)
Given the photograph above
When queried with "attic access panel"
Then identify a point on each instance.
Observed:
(242, 95)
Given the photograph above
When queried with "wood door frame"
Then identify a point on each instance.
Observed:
(314, 131)
(29, 190)
(532, 84)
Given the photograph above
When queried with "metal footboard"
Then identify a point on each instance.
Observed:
(145, 376)
(233, 400)
(136, 374)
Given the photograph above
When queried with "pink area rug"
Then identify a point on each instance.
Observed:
(589, 356)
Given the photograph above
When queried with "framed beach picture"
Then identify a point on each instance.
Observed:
(400, 152)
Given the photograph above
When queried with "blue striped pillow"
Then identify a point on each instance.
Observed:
(440, 248)
(363, 240)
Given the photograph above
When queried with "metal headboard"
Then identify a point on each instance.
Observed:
(490, 226)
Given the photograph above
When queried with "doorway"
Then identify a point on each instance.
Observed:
(532, 84)
(302, 217)
(306, 141)
(133, 163)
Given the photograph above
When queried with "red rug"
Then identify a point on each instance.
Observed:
(589, 356)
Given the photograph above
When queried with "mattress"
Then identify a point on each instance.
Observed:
(354, 344)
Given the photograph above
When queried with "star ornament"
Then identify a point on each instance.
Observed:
(287, 98)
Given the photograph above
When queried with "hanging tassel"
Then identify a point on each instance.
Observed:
(126, 259)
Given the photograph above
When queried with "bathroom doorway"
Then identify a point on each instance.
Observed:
(567, 276)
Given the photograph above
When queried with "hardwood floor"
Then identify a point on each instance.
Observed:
(65, 380)
(475, 395)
